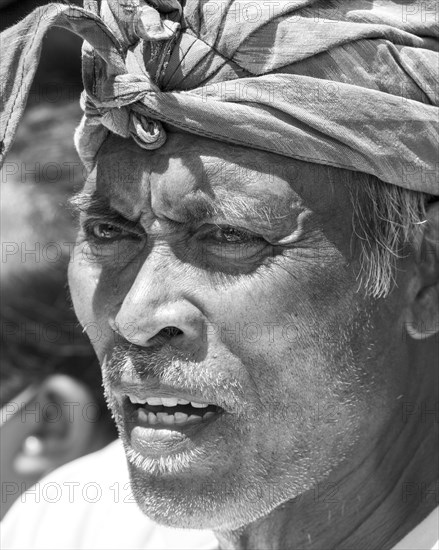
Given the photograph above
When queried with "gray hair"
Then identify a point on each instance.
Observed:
(386, 220)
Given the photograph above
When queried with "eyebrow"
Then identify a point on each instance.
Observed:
(229, 206)
(95, 205)
(239, 206)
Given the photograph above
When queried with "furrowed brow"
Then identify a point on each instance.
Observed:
(231, 208)
(241, 207)
(94, 205)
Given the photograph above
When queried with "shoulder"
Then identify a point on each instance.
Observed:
(88, 504)
(424, 536)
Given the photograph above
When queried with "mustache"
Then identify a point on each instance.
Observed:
(174, 368)
(137, 362)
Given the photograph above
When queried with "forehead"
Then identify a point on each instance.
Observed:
(189, 174)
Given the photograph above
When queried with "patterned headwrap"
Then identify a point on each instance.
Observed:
(345, 83)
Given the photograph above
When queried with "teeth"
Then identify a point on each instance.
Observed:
(135, 399)
(168, 419)
(154, 401)
(143, 415)
(180, 417)
(169, 401)
(199, 405)
(194, 418)
(166, 402)
(161, 417)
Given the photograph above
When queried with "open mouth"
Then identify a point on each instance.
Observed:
(171, 412)
(165, 421)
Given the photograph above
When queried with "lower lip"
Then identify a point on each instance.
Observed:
(157, 442)
(163, 440)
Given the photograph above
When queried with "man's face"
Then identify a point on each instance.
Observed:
(224, 276)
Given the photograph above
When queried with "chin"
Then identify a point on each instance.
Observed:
(192, 510)
(206, 502)
(183, 501)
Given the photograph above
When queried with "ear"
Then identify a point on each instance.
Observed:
(65, 428)
(422, 320)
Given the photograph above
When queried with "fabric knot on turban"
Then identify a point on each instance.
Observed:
(121, 120)
(135, 21)
(345, 83)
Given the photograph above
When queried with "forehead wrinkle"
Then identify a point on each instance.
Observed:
(199, 207)
(192, 208)
(265, 210)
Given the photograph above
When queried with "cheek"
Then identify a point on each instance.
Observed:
(287, 319)
(81, 285)
(83, 277)
(99, 280)
(295, 339)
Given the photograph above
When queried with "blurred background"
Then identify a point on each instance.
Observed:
(51, 398)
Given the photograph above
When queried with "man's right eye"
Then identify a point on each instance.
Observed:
(105, 231)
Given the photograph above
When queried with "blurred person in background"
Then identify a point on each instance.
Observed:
(53, 409)
(330, 250)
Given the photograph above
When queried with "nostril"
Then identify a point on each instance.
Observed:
(169, 332)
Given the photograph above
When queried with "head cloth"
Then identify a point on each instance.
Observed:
(345, 83)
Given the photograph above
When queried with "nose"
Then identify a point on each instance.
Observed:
(158, 308)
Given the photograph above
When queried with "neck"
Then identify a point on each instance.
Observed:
(373, 501)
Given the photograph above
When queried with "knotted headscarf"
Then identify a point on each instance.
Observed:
(346, 83)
